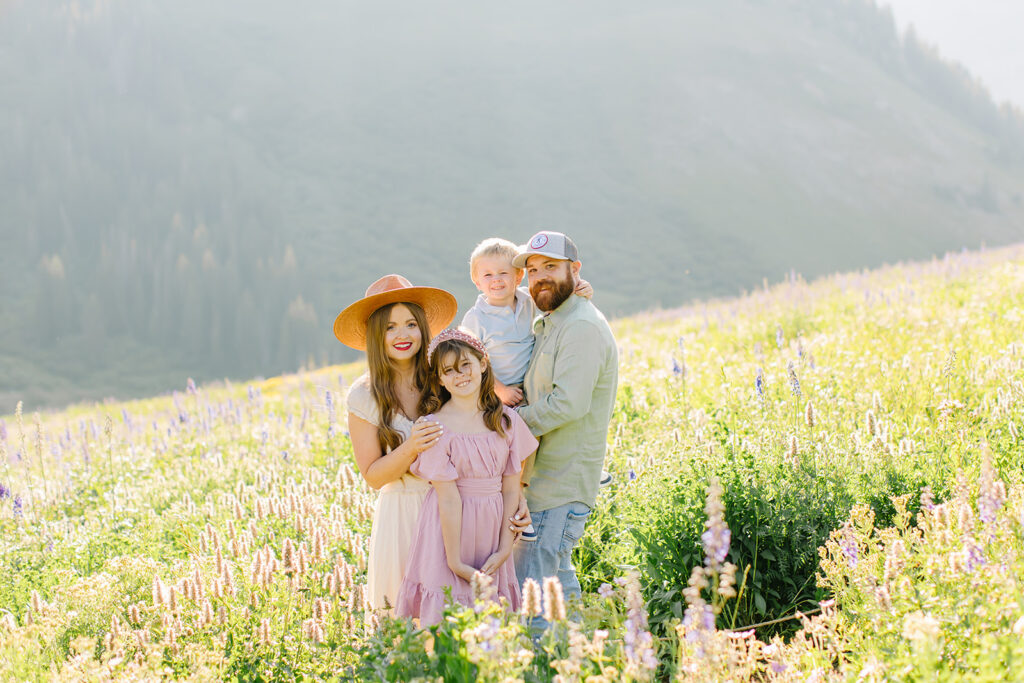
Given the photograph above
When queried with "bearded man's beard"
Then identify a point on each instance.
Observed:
(550, 293)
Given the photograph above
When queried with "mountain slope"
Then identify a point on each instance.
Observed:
(218, 181)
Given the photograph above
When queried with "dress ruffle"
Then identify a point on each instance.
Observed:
(429, 602)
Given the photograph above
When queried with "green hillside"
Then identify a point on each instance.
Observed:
(195, 189)
(858, 435)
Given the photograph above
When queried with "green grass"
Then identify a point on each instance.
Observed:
(908, 376)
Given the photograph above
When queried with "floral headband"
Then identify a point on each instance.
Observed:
(454, 334)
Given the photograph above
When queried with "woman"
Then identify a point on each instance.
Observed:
(393, 323)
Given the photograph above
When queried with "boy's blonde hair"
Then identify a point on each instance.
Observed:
(493, 246)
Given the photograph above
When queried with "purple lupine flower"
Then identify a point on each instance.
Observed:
(716, 542)
(849, 547)
(677, 368)
(330, 414)
(759, 383)
(127, 418)
(794, 382)
(709, 617)
(17, 506)
(632, 475)
(606, 590)
(779, 337)
(974, 556)
(190, 386)
(4, 491)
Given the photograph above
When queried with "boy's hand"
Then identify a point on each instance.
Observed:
(495, 561)
(510, 396)
(584, 289)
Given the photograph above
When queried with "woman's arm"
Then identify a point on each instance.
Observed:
(510, 501)
(378, 468)
(449, 507)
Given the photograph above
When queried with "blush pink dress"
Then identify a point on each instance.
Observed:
(476, 463)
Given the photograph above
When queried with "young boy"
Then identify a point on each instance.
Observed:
(502, 318)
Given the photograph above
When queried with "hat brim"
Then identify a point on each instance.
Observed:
(520, 260)
(438, 305)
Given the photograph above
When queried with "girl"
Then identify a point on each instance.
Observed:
(474, 470)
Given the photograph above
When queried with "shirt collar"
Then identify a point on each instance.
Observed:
(486, 307)
(559, 314)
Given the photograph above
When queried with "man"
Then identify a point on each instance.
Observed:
(570, 393)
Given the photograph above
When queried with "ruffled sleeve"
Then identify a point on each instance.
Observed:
(435, 463)
(360, 401)
(521, 443)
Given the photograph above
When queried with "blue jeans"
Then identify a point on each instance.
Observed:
(550, 553)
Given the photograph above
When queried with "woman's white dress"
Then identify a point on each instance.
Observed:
(396, 513)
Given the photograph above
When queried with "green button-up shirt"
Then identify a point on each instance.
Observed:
(570, 388)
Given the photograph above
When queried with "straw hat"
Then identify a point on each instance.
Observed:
(439, 305)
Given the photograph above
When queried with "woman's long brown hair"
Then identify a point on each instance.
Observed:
(494, 412)
(383, 375)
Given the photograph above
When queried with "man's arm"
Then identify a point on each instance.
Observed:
(574, 376)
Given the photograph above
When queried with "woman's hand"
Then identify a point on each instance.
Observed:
(495, 561)
(584, 289)
(522, 518)
(425, 433)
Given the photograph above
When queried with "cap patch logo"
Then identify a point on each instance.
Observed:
(538, 241)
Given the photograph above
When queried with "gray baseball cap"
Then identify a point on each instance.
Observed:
(547, 243)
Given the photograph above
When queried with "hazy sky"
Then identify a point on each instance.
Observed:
(983, 35)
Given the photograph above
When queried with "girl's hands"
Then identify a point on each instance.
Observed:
(425, 433)
(463, 570)
(495, 561)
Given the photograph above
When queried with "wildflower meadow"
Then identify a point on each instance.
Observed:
(814, 481)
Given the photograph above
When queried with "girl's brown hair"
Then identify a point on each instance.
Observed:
(383, 375)
(494, 413)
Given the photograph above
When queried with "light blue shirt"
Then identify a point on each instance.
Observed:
(507, 334)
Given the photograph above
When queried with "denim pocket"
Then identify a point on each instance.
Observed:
(575, 520)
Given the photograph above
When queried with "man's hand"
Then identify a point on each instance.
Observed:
(522, 518)
(510, 396)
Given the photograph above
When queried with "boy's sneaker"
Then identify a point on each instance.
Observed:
(606, 479)
(529, 534)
